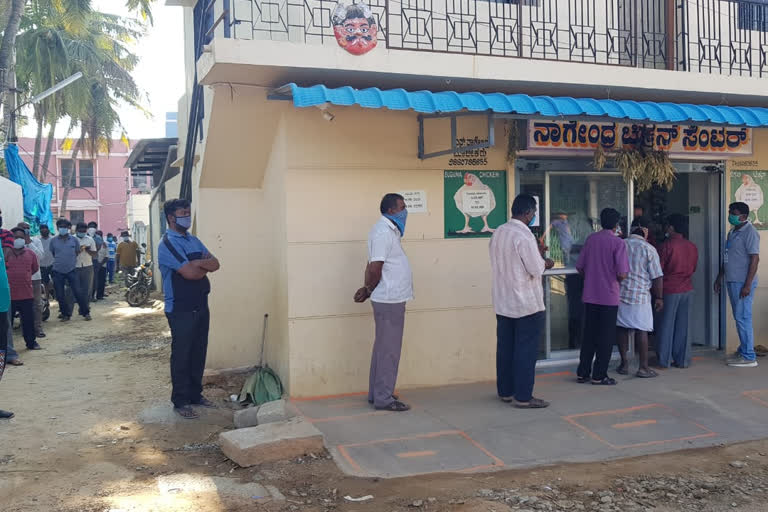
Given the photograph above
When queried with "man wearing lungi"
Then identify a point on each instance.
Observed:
(643, 285)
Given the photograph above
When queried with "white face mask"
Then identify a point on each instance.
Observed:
(63, 231)
(91, 231)
(125, 238)
(19, 243)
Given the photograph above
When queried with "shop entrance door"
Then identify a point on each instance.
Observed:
(570, 203)
(695, 195)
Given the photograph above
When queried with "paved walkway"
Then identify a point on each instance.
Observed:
(466, 428)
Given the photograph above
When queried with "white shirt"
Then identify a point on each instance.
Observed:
(396, 283)
(83, 258)
(517, 267)
(36, 247)
(47, 259)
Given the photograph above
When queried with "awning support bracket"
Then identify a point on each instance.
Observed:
(454, 148)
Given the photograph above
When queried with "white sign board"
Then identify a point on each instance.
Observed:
(415, 200)
(476, 201)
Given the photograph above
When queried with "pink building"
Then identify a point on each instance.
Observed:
(100, 190)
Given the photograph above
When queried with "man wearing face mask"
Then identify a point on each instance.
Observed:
(127, 255)
(111, 255)
(46, 262)
(85, 255)
(185, 263)
(21, 265)
(389, 285)
(91, 232)
(101, 274)
(739, 273)
(604, 264)
(11, 356)
(517, 264)
(34, 245)
(66, 250)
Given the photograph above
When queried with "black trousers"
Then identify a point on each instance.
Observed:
(189, 345)
(517, 346)
(26, 309)
(101, 281)
(599, 337)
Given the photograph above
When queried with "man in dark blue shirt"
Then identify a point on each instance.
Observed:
(184, 264)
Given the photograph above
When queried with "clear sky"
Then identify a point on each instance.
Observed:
(160, 72)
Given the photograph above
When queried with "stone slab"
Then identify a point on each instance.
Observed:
(229, 487)
(271, 442)
(248, 417)
(272, 412)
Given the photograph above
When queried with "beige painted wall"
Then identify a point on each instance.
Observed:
(336, 175)
(758, 161)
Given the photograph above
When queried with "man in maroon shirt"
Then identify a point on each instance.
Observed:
(21, 264)
(6, 241)
(678, 262)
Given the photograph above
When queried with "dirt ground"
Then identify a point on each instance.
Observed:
(93, 432)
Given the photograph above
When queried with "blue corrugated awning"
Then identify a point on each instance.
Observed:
(446, 102)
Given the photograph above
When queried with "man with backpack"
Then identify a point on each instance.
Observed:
(184, 264)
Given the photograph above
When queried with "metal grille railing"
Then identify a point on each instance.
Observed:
(710, 36)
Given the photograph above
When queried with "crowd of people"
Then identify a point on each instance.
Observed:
(630, 286)
(72, 266)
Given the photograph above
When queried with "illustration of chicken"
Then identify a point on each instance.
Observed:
(474, 199)
(750, 193)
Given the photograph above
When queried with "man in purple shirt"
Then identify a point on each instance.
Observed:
(604, 264)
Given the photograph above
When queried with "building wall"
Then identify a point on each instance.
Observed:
(335, 177)
(106, 202)
(757, 162)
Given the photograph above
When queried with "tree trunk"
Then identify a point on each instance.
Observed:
(70, 182)
(48, 151)
(38, 141)
(6, 55)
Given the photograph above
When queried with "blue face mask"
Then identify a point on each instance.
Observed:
(399, 219)
(184, 222)
(80, 234)
(533, 221)
(109, 239)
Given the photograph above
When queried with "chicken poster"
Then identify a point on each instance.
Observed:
(475, 203)
(748, 187)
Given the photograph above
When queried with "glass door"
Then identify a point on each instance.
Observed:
(570, 210)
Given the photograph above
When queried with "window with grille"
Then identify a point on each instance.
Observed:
(67, 171)
(86, 173)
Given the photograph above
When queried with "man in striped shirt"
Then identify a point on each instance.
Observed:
(7, 238)
(517, 263)
(635, 313)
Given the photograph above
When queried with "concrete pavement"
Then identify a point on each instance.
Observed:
(466, 428)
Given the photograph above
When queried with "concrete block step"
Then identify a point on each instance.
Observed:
(271, 442)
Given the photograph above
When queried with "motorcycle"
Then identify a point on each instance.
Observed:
(139, 285)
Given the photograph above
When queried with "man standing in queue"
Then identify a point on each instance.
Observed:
(604, 264)
(517, 264)
(739, 273)
(389, 285)
(185, 263)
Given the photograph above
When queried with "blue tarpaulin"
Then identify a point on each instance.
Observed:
(37, 196)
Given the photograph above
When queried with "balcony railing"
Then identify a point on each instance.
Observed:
(713, 36)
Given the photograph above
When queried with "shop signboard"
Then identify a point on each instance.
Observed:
(748, 187)
(678, 139)
(475, 203)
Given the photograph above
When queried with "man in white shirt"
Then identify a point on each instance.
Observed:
(389, 285)
(36, 246)
(517, 264)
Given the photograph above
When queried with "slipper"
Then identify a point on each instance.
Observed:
(534, 403)
(608, 381)
(186, 412)
(583, 380)
(622, 370)
(5, 415)
(204, 402)
(395, 406)
(393, 396)
(646, 374)
(507, 399)
(15, 362)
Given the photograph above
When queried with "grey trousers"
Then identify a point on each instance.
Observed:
(11, 354)
(672, 340)
(385, 360)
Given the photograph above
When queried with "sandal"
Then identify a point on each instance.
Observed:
(395, 406)
(204, 402)
(533, 403)
(646, 374)
(186, 412)
(583, 380)
(622, 370)
(15, 362)
(5, 415)
(608, 381)
(507, 399)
